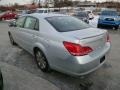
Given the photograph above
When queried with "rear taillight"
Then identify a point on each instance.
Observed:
(108, 38)
(77, 49)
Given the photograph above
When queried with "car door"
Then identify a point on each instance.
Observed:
(29, 33)
(16, 30)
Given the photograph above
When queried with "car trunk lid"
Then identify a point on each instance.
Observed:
(92, 37)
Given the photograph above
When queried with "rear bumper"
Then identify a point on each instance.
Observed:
(86, 64)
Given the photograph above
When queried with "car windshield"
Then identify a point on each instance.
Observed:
(66, 23)
(110, 13)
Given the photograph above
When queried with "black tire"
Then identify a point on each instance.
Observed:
(11, 39)
(1, 82)
(116, 27)
(98, 26)
(41, 60)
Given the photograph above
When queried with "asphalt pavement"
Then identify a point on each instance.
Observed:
(18, 79)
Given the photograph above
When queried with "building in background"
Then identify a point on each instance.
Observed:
(115, 5)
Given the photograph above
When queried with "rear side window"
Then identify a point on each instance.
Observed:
(31, 23)
(20, 22)
(37, 25)
(66, 23)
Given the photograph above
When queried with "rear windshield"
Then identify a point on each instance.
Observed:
(110, 13)
(67, 23)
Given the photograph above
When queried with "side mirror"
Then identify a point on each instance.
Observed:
(12, 24)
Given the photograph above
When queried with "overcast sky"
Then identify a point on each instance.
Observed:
(6, 2)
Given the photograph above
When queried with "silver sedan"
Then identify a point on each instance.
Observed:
(61, 42)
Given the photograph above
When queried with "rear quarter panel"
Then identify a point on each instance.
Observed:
(51, 43)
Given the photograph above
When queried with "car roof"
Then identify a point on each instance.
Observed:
(44, 15)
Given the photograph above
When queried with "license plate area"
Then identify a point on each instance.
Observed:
(102, 59)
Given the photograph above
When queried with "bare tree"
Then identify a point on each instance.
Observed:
(63, 3)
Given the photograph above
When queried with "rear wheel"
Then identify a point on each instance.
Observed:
(11, 39)
(116, 27)
(41, 60)
(98, 26)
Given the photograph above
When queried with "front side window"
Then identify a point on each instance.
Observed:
(20, 22)
(66, 23)
(30, 23)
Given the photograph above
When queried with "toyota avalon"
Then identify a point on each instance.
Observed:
(61, 42)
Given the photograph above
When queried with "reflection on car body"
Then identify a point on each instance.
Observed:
(82, 15)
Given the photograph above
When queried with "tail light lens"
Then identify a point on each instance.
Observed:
(77, 49)
(108, 38)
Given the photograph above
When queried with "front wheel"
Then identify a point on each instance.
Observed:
(41, 61)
